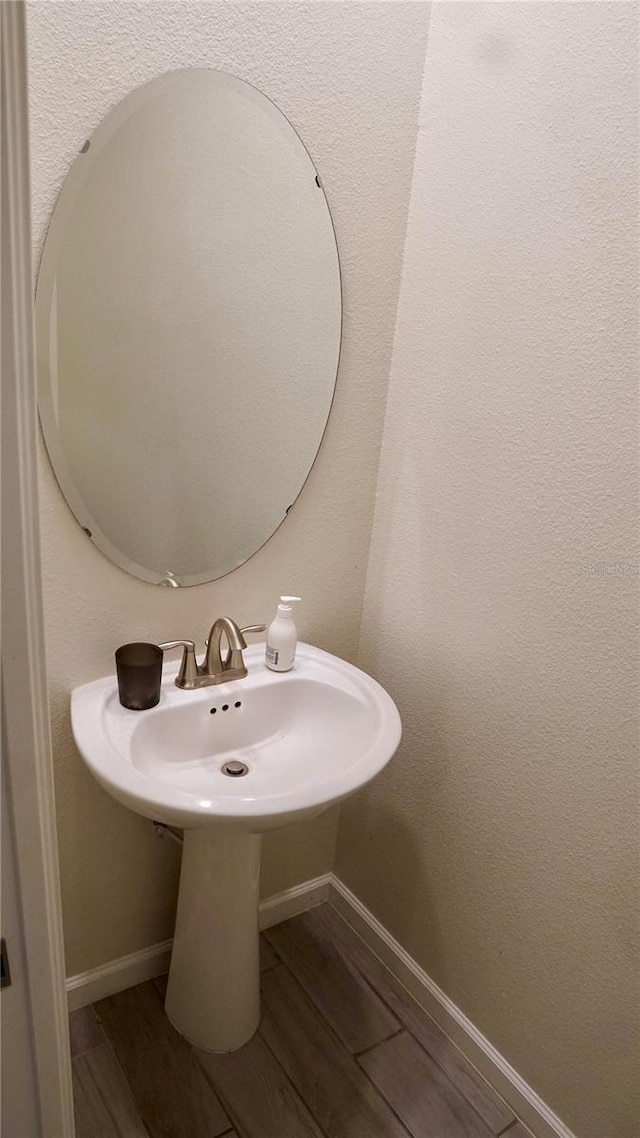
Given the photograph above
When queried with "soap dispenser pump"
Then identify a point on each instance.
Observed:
(282, 637)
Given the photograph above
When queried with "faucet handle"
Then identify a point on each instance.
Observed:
(188, 671)
(245, 631)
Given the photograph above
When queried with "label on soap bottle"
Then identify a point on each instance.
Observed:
(272, 655)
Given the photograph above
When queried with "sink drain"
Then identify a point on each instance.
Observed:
(234, 768)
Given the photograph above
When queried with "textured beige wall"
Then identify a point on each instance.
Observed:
(348, 77)
(501, 846)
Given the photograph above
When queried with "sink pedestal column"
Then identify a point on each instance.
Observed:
(213, 996)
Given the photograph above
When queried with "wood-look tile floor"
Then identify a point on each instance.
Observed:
(342, 1052)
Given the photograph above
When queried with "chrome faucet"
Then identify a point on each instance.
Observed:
(215, 669)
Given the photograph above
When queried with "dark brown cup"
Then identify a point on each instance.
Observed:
(139, 668)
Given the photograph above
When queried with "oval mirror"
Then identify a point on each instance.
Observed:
(188, 318)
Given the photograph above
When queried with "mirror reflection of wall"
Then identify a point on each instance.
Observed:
(188, 326)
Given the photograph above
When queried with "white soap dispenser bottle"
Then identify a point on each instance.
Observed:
(282, 637)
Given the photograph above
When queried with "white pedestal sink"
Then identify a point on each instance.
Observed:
(306, 738)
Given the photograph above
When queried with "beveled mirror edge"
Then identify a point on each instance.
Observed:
(44, 290)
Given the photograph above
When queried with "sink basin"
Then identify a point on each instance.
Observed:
(308, 737)
(303, 739)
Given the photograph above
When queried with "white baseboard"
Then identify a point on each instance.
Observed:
(522, 1099)
(97, 983)
(287, 904)
(123, 973)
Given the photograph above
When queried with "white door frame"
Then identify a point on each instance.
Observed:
(27, 761)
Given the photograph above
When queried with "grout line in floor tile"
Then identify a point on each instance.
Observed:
(235, 1125)
(343, 1047)
(341, 1044)
(407, 1030)
(372, 986)
(507, 1128)
(384, 1098)
(281, 964)
(233, 1128)
(379, 1042)
(121, 1069)
(265, 934)
(297, 1092)
(332, 1030)
(281, 961)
